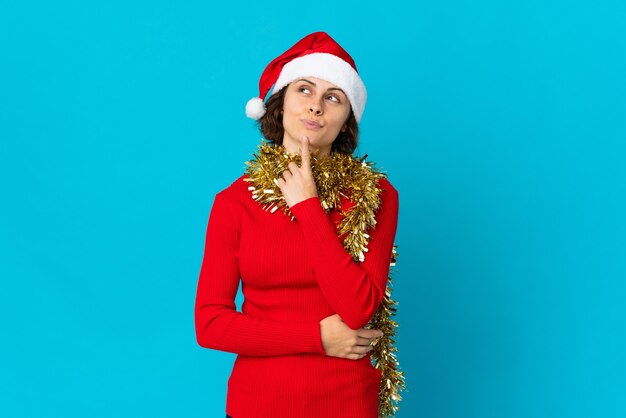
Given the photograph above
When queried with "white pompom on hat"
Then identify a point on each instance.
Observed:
(315, 55)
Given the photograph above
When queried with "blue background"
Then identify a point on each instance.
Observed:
(502, 125)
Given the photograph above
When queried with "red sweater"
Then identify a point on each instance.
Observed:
(294, 274)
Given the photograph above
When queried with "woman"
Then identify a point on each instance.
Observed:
(314, 273)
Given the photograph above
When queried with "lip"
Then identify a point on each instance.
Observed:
(310, 124)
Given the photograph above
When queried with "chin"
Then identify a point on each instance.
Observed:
(315, 145)
(316, 141)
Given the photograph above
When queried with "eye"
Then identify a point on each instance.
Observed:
(301, 88)
(334, 98)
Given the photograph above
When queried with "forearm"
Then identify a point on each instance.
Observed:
(222, 328)
(354, 290)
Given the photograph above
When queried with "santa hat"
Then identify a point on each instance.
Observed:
(315, 55)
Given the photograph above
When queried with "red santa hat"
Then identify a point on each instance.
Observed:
(315, 55)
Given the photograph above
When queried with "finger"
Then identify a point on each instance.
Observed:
(293, 167)
(369, 333)
(306, 159)
(362, 349)
(364, 341)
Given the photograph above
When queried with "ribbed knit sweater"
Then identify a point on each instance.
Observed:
(294, 273)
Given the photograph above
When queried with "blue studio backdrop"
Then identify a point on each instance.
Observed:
(501, 124)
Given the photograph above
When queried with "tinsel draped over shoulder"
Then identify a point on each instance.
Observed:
(336, 175)
(357, 180)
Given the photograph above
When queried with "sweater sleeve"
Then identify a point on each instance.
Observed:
(354, 290)
(218, 324)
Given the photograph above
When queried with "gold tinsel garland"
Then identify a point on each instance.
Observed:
(356, 179)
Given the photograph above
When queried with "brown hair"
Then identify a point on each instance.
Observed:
(271, 125)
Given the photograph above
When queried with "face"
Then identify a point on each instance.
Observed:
(317, 109)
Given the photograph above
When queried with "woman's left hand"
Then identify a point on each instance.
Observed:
(297, 183)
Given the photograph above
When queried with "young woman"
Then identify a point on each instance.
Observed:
(309, 230)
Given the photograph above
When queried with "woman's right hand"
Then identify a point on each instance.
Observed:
(339, 340)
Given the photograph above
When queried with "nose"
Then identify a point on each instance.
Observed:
(315, 108)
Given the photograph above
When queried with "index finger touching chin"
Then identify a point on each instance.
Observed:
(305, 151)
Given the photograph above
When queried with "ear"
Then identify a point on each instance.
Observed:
(344, 128)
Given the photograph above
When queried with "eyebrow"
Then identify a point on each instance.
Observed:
(331, 88)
